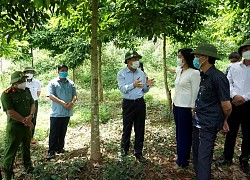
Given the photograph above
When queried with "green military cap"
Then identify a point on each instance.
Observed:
(130, 54)
(17, 76)
(246, 43)
(29, 69)
(207, 50)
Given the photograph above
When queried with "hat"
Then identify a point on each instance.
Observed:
(246, 43)
(207, 50)
(130, 54)
(29, 69)
(16, 76)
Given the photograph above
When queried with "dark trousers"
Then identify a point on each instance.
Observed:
(34, 118)
(58, 129)
(183, 123)
(134, 112)
(203, 145)
(239, 115)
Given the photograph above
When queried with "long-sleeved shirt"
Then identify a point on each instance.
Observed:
(126, 78)
(186, 88)
(238, 78)
(34, 86)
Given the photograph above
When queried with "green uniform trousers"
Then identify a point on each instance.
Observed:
(16, 134)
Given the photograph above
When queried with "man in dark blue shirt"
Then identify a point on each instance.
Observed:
(212, 109)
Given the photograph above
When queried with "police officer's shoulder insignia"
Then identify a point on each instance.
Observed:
(8, 90)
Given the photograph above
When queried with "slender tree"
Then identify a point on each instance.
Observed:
(95, 134)
(100, 86)
(168, 92)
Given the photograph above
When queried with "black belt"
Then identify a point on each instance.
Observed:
(134, 100)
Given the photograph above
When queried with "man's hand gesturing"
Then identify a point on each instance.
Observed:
(138, 83)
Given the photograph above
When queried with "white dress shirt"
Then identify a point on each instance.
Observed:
(186, 88)
(34, 86)
(239, 80)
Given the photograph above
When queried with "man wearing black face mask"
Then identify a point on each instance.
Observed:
(62, 93)
(19, 106)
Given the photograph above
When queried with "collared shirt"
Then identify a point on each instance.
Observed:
(34, 86)
(214, 88)
(64, 90)
(17, 100)
(186, 88)
(126, 78)
(239, 80)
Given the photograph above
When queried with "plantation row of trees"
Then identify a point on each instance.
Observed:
(75, 31)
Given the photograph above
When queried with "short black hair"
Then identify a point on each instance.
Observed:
(211, 60)
(62, 66)
(234, 55)
(141, 66)
(186, 52)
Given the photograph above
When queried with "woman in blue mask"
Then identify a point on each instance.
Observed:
(186, 89)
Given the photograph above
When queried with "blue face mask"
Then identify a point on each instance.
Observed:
(196, 63)
(63, 74)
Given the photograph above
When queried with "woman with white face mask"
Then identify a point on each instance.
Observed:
(186, 90)
(35, 87)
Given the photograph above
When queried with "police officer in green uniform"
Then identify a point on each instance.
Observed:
(19, 106)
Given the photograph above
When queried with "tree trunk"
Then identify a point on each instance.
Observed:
(168, 92)
(95, 134)
(100, 87)
(32, 57)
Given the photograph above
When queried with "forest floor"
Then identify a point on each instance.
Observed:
(159, 149)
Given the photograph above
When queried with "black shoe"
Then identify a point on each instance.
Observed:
(244, 165)
(224, 162)
(141, 159)
(61, 151)
(51, 155)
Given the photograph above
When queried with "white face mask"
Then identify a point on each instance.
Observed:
(30, 76)
(21, 86)
(179, 62)
(135, 64)
(246, 55)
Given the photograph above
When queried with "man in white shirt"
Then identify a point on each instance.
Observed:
(35, 87)
(234, 57)
(238, 77)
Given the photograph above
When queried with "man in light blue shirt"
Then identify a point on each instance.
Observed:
(62, 93)
(133, 83)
